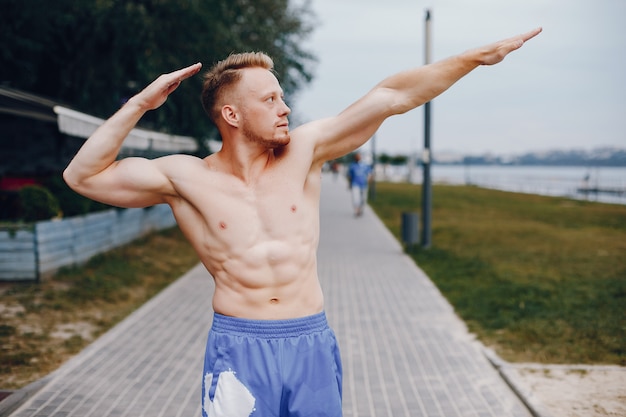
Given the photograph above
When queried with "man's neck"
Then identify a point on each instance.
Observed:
(245, 162)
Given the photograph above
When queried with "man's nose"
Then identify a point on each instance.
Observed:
(285, 110)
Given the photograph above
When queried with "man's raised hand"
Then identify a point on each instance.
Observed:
(156, 93)
(495, 53)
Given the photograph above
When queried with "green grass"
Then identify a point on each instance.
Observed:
(540, 279)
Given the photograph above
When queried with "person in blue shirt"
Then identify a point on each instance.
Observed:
(359, 176)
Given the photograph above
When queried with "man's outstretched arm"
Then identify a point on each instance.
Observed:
(400, 93)
(94, 171)
(415, 87)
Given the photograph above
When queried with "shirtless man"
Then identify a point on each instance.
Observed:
(251, 211)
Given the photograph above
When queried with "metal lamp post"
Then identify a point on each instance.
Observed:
(426, 155)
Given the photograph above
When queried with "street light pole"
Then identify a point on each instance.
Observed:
(372, 193)
(426, 155)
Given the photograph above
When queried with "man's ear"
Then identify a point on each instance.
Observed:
(230, 115)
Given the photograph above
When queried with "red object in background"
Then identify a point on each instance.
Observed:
(14, 184)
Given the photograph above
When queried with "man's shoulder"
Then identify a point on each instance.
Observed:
(181, 157)
(300, 147)
(180, 162)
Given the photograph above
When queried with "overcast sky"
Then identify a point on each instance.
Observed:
(564, 89)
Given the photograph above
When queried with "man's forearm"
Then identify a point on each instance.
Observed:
(420, 85)
(415, 87)
(102, 148)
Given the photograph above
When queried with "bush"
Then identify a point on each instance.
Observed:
(38, 203)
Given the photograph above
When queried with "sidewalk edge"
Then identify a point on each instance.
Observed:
(20, 396)
(504, 370)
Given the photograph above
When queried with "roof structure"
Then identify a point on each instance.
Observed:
(39, 136)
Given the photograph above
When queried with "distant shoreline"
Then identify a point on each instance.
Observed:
(599, 184)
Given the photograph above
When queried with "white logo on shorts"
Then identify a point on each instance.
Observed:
(231, 399)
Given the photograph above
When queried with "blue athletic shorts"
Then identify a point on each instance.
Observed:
(271, 368)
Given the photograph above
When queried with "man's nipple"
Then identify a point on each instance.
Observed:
(223, 225)
(294, 208)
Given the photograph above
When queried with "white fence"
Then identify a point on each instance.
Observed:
(29, 253)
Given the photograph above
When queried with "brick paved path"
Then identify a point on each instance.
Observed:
(405, 353)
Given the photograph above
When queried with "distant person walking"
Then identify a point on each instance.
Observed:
(359, 176)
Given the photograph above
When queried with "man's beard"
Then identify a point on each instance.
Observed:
(271, 143)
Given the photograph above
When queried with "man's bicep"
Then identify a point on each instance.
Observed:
(130, 182)
(354, 126)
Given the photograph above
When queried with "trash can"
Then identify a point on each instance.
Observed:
(410, 228)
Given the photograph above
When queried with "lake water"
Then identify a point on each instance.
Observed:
(604, 184)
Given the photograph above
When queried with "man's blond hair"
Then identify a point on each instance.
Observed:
(227, 73)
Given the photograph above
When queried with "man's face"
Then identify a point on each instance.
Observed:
(264, 113)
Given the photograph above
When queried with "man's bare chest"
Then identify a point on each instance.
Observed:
(267, 210)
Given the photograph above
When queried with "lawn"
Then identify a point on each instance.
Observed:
(540, 279)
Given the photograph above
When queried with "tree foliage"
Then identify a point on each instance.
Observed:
(93, 55)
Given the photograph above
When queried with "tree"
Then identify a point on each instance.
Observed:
(392, 160)
(93, 55)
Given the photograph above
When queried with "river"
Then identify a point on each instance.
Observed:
(601, 184)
